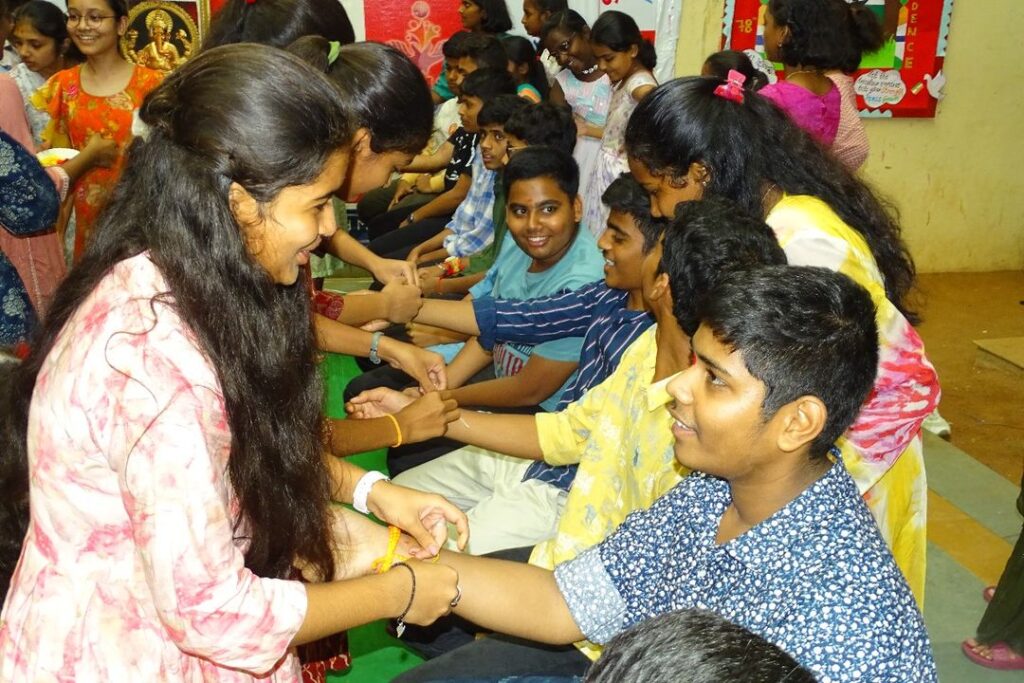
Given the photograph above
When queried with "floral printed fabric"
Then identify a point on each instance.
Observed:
(28, 204)
(815, 578)
(132, 569)
(75, 116)
(882, 450)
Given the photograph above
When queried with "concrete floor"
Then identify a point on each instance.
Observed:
(974, 479)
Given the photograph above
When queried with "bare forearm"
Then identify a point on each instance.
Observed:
(504, 392)
(362, 308)
(442, 205)
(514, 435)
(514, 598)
(348, 249)
(459, 285)
(344, 477)
(457, 316)
(336, 337)
(340, 605)
(358, 436)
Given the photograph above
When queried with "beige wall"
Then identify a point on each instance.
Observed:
(957, 179)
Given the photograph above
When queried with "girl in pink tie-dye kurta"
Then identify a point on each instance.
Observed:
(129, 570)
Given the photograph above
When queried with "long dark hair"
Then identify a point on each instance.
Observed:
(50, 21)
(263, 119)
(497, 19)
(386, 93)
(521, 51)
(618, 32)
(278, 22)
(827, 34)
(750, 144)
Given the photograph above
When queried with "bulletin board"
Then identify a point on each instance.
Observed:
(903, 79)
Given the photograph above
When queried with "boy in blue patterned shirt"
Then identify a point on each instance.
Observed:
(769, 532)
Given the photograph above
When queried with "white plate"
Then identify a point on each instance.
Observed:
(57, 155)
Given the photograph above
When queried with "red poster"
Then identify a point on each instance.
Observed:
(904, 78)
(416, 27)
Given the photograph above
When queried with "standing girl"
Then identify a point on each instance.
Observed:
(807, 37)
(628, 58)
(699, 137)
(98, 96)
(489, 17)
(41, 38)
(163, 474)
(536, 13)
(585, 88)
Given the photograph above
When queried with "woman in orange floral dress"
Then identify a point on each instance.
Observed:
(99, 96)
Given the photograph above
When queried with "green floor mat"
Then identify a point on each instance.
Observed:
(376, 656)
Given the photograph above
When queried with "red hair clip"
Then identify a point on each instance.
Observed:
(732, 89)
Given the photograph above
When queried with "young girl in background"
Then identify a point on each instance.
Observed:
(810, 38)
(585, 88)
(531, 81)
(536, 13)
(865, 35)
(98, 96)
(40, 37)
(489, 17)
(627, 57)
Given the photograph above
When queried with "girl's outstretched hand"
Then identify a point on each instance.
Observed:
(424, 516)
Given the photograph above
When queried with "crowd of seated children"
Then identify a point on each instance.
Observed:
(383, 209)
(617, 433)
(485, 18)
(417, 234)
(770, 530)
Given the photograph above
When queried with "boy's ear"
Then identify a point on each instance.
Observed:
(661, 291)
(361, 143)
(800, 422)
(577, 209)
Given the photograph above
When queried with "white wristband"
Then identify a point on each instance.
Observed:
(362, 490)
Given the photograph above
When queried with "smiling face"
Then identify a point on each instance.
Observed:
(618, 65)
(471, 14)
(97, 30)
(493, 144)
(665, 190)
(281, 234)
(40, 53)
(542, 220)
(571, 50)
(622, 245)
(718, 423)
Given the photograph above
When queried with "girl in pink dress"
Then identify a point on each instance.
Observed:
(163, 474)
(627, 58)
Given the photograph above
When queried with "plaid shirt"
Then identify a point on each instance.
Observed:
(473, 222)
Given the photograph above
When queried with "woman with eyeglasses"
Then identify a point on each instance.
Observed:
(97, 96)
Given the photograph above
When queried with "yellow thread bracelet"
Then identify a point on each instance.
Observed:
(398, 430)
(390, 558)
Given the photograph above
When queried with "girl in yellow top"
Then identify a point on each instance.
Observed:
(698, 137)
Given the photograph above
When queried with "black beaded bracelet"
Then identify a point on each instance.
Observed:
(400, 625)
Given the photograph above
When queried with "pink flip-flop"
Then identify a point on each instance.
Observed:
(988, 592)
(1001, 656)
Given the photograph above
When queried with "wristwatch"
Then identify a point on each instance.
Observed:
(374, 343)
